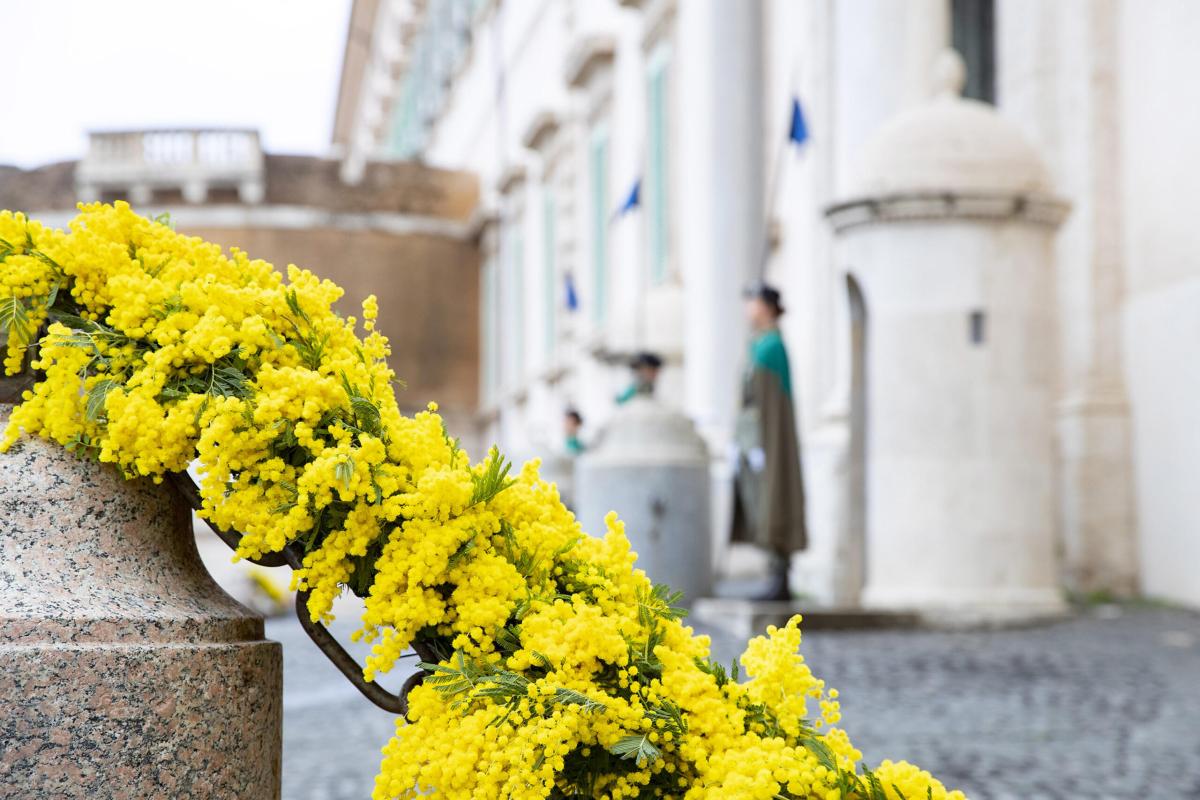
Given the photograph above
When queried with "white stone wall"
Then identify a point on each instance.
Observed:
(1099, 86)
(1160, 172)
(1060, 80)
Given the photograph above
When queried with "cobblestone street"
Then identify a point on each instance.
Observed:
(1103, 707)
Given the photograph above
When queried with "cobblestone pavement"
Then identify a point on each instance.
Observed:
(1103, 707)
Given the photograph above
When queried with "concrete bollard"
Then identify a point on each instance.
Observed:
(652, 468)
(125, 671)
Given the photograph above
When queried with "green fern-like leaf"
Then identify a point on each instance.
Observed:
(570, 697)
(14, 319)
(96, 397)
(671, 716)
(493, 480)
(659, 602)
(637, 748)
(343, 471)
(460, 555)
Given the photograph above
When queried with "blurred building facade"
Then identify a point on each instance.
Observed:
(402, 232)
(562, 107)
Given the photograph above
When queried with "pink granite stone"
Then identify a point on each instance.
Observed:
(125, 671)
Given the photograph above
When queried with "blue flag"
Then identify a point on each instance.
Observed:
(798, 132)
(572, 298)
(632, 201)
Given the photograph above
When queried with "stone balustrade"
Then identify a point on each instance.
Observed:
(193, 162)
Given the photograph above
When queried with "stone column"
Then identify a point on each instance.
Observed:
(125, 671)
(721, 197)
(719, 216)
(1059, 79)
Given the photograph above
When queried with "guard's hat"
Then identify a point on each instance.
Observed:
(766, 293)
(646, 359)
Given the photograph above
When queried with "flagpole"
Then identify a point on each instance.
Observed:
(772, 198)
(780, 163)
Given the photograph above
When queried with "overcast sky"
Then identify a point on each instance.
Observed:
(73, 65)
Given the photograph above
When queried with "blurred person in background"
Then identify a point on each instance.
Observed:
(645, 368)
(768, 486)
(572, 424)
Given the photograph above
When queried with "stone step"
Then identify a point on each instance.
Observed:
(746, 618)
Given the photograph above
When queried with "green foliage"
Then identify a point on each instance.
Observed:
(293, 494)
(508, 639)
(670, 715)
(14, 320)
(309, 345)
(82, 445)
(655, 605)
(454, 682)
(226, 377)
(14, 313)
(659, 603)
(460, 555)
(466, 681)
(717, 670)
(343, 471)
(452, 444)
(638, 748)
(367, 416)
(493, 480)
(641, 651)
(532, 565)
(96, 397)
(570, 697)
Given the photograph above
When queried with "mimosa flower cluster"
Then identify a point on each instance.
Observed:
(562, 671)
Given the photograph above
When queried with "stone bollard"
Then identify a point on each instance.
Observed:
(652, 468)
(125, 671)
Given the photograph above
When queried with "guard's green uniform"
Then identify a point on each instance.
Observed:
(768, 505)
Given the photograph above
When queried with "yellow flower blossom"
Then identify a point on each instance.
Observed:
(562, 670)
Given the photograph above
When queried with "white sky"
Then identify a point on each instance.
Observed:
(68, 66)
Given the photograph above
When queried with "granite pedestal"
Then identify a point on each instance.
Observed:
(125, 671)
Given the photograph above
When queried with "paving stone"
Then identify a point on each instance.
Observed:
(1100, 707)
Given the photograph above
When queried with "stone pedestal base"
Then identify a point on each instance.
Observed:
(125, 672)
(131, 721)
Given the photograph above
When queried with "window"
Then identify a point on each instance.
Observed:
(975, 39)
(549, 269)
(516, 304)
(977, 327)
(598, 169)
(657, 168)
(489, 340)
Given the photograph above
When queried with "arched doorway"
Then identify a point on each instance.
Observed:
(855, 552)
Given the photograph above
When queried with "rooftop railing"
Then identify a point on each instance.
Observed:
(191, 161)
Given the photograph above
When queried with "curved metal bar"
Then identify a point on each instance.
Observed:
(332, 648)
(191, 493)
(322, 638)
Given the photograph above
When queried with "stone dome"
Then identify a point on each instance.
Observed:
(951, 145)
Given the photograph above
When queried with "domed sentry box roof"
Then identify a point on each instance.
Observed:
(950, 157)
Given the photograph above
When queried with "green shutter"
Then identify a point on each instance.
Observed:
(517, 270)
(599, 181)
(549, 270)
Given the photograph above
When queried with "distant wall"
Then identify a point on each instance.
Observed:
(401, 233)
(1163, 278)
(428, 290)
